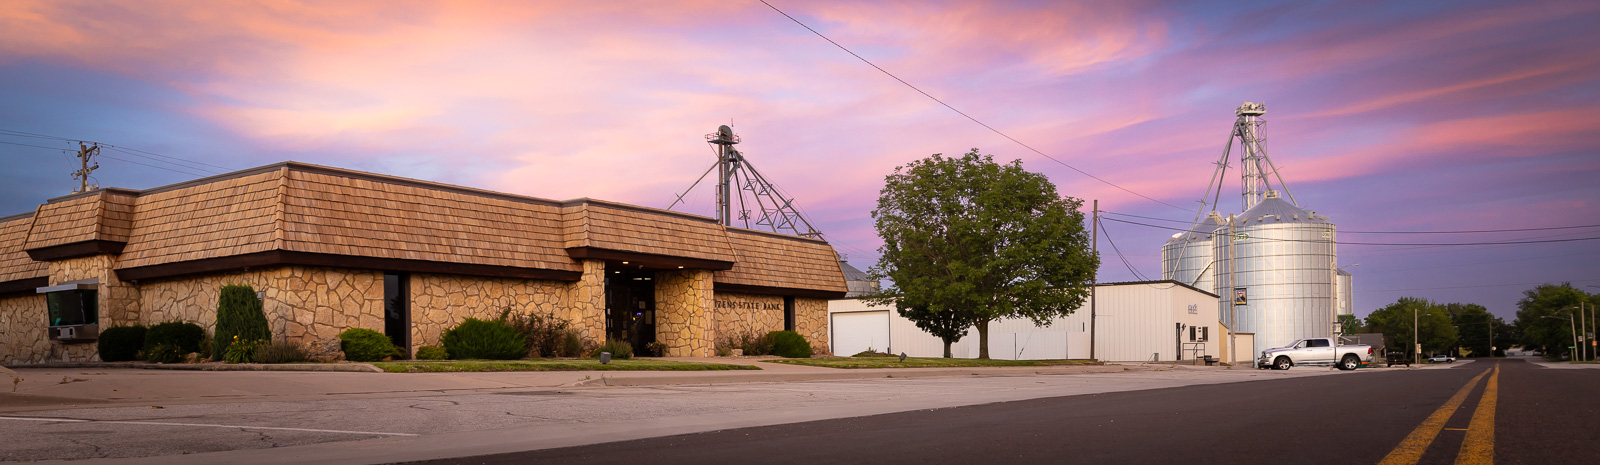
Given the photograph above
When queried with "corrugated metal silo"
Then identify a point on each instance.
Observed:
(1285, 264)
(1187, 256)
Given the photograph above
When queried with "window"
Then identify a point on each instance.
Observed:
(788, 313)
(73, 307)
(1317, 343)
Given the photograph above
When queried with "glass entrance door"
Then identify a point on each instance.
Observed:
(631, 308)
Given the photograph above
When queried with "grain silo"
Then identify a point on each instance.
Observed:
(1187, 256)
(1274, 265)
(1283, 261)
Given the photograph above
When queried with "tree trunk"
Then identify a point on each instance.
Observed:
(983, 339)
(947, 348)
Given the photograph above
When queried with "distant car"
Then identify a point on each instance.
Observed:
(1442, 359)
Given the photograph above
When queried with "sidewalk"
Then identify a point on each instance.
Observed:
(55, 388)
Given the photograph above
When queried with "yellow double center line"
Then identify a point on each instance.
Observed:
(1477, 448)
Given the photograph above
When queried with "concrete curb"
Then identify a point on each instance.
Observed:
(217, 366)
(636, 378)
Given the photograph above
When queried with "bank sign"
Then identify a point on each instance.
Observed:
(744, 305)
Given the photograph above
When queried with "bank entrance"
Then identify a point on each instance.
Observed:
(631, 307)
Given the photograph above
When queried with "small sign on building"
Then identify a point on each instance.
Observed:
(1239, 296)
(1194, 309)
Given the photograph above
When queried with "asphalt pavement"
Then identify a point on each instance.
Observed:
(1506, 411)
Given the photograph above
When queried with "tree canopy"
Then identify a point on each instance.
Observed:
(968, 240)
(1553, 335)
(1433, 324)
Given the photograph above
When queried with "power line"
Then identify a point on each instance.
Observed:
(63, 150)
(1541, 241)
(975, 120)
(1478, 231)
(128, 150)
(1472, 287)
(1124, 259)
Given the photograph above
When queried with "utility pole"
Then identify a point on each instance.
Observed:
(1094, 249)
(1416, 340)
(1228, 293)
(85, 155)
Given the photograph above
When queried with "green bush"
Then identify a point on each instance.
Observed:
(618, 349)
(238, 314)
(241, 350)
(187, 337)
(572, 344)
(164, 353)
(432, 353)
(120, 343)
(365, 345)
(789, 344)
(871, 353)
(547, 335)
(279, 352)
(481, 339)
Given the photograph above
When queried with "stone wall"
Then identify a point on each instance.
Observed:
(747, 313)
(23, 339)
(684, 316)
(118, 301)
(811, 321)
(303, 305)
(440, 302)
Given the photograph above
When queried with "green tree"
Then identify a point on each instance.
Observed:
(1474, 323)
(1433, 326)
(1551, 335)
(967, 241)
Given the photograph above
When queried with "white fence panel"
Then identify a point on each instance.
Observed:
(858, 331)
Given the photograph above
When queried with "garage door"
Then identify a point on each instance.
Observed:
(857, 331)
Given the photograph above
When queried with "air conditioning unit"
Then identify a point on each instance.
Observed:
(75, 333)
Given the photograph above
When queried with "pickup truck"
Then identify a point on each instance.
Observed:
(1315, 351)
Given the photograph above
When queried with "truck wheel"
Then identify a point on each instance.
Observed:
(1282, 363)
(1349, 363)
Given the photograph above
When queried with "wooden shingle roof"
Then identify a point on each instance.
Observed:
(226, 217)
(330, 214)
(782, 261)
(628, 228)
(15, 264)
(296, 213)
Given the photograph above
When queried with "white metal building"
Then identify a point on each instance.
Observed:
(1135, 321)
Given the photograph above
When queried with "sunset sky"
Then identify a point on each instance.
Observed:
(1384, 116)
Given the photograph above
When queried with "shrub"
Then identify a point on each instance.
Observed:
(618, 349)
(365, 345)
(238, 314)
(279, 352)
(432, 353)
(872, 353)
(241, 350)
(164, 353)
(483, 339)
(547, 335)
(187, 337)
(750, 343)
(789, 344)
(120, 343)
(572, 344)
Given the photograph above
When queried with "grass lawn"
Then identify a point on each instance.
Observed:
(552, 364)
(918, 362)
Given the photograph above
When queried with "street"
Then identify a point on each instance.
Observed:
(1543, 416)
(1111, 414)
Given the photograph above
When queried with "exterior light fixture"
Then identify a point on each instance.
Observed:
(680, 267)
(624, 263)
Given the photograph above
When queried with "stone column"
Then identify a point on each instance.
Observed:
(587, 301)
(684, 312)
